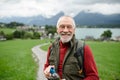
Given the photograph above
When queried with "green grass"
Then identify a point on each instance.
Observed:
(7, 30)
(107, 57)
(16, 61)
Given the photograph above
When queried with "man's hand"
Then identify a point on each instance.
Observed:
(47, 71)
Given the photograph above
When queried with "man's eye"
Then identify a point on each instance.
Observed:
(62, 26)
(69, 27)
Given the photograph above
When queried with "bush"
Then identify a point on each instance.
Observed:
(27, 35)
(106, 35)
(17, 34)
(36, 35)
(9, 36)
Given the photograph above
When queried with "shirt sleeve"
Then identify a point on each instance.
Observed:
(47, 62)
(90, 68)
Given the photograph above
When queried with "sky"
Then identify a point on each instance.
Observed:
(49, 8)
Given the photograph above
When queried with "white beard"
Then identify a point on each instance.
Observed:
(65, 40)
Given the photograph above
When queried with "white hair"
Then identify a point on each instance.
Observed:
(73, 22)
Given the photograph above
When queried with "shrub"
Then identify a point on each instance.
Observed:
(9, 36)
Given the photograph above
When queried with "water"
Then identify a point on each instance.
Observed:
(81, 33)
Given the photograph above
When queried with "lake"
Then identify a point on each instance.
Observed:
(81, 33)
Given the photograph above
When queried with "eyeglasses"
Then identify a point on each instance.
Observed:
(65, 26)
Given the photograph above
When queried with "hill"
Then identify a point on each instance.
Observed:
(82, 18)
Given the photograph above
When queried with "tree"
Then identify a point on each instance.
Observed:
(36, 35)
(50, 29)
(106, 35)
(27, 35)
(9, 36)
(17, 34)
(14, 24)
(2, 33)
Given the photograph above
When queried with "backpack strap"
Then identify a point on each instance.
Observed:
(52, 60)
(79, 54)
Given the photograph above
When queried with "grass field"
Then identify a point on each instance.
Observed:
(107, 57)
(7, 30)
(16, 61)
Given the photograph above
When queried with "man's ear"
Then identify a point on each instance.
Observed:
(74, 30)
(57, 30)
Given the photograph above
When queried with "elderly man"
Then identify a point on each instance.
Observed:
(61, 54)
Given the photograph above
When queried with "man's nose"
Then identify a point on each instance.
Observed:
(65, 29)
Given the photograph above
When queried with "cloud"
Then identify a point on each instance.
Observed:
(96, 1)
(105, 8)
(49, 8)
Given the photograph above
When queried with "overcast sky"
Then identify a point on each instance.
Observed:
(49, 8)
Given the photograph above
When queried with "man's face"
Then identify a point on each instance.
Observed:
(66, 29)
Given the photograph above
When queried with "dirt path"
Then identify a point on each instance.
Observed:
(40, 57)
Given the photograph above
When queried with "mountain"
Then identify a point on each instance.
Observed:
(40, 20)
(26, 20)
(82, 18)
(53, 20)
(37, 20)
